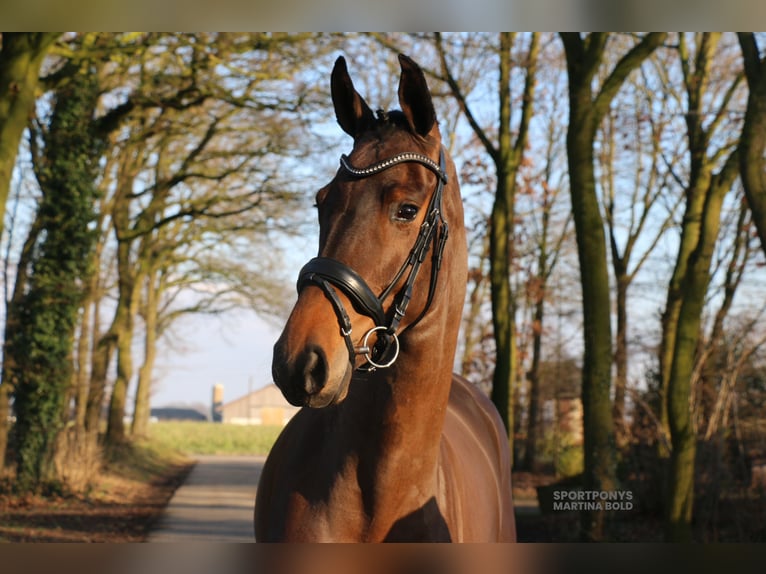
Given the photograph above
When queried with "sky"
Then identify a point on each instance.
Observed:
(234, 351)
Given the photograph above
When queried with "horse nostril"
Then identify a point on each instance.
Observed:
(314, 371)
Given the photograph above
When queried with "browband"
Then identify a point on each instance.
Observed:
(392, 161)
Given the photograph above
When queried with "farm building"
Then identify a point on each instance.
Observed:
(265, 406)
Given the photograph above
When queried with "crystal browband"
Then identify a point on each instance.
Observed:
(386, 163)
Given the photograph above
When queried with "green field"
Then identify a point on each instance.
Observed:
(213, 438)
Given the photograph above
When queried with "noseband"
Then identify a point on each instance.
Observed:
(328, 274)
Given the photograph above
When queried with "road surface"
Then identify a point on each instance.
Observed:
(215, 503)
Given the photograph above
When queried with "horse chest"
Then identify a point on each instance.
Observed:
(360, 504)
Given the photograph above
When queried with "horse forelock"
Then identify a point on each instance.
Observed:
(388, 123)
(394, 118)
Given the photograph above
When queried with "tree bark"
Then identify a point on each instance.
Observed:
(533, 406)
(690, 231)
(700, 174)
(681, 321)
(101, 356)
(506, 155)
(41, 346)
(621, 357)
(752, 144)
(141, 410)
(682, 433)
(501, 251)
(473, 328)
(122, 329)
(21, 56)
(12, 323)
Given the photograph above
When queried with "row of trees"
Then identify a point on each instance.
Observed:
(657, 132)
(150, 193)
(635, 159)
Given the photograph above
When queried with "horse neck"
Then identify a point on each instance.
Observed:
(398, 413)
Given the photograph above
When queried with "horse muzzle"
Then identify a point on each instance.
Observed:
(306, 380)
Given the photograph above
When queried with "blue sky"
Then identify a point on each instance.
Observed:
(234, 350)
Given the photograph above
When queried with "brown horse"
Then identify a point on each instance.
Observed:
(390, 445)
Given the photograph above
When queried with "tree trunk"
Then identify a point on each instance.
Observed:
(503, 320)
(501, 252)
(81, 375)
(598, 427)
(86, 342)
(621, 358)
(473, 327)
(101, 356)
(127, 282)
(21, 56)
(546, 262)
(688, 287)
(141, 408)
(506, 155)
(533, 407)
(126, 311)
(11, 326)
(682, 432)
(585, 114)
(48, 310)
(690, 231)
(598, 430)
(700, 174)
(752, 144)
(5, 412)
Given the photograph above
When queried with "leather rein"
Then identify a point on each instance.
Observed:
(329, 274)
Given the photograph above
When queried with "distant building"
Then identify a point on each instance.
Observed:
(265, 406)
(180, 413)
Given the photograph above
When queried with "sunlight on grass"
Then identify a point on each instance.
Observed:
(142, 460)
(213, 438)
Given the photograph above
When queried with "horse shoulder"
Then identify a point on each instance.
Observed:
(475, 467)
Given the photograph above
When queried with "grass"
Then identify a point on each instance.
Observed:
(117, 494)
(191, 437)
(125, 495)
(142, 460)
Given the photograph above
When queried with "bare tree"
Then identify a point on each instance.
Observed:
(711, 176)
(584, 57)
(634, 217)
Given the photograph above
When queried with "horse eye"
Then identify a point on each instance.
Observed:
(407, 212)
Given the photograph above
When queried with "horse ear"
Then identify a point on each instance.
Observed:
(415, 97)
(353, 113)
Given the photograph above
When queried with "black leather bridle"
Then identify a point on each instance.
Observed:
(328, 273)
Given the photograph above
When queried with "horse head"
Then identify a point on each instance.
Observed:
(383, 222)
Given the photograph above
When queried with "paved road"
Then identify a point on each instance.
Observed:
(215, 503)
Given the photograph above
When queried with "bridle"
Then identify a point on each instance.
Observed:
(328, 273)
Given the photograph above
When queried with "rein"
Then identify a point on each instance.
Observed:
(328, 273)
